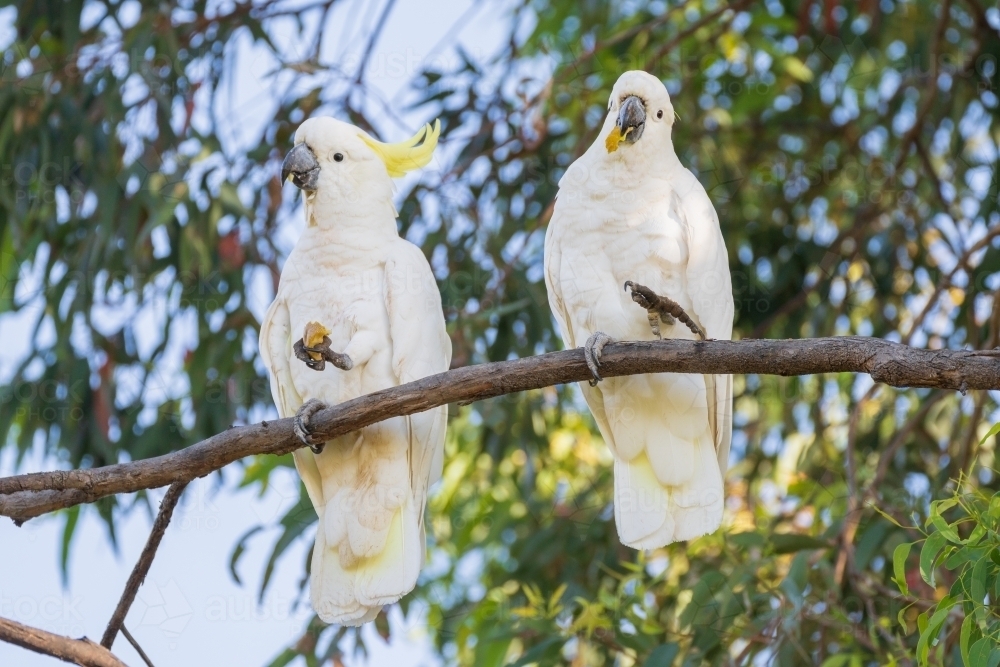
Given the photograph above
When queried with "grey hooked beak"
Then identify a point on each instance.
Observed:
(302, 166)
(632, 115)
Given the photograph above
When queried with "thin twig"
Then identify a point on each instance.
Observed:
(145, 562)
(135, 645)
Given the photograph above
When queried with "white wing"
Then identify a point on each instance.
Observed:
(276, 352)
(711, 288)
(420, 347)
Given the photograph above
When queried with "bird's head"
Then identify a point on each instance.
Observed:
(347, 166)
(639, 112)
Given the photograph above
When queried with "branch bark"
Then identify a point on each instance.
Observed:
(23, 497)
(141, 568)
(77, 651)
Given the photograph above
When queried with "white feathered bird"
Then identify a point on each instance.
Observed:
(627, 210)
(353, 293)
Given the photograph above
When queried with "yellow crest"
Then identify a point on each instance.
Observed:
(406, 156)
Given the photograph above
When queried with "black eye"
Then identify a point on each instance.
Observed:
(338, 157)
(659, 114)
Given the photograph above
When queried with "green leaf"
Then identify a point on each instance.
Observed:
(901, 618)
(939, 507)
(785, 543)
(241, 546)
(984, 653)
(978, 583)
(922, 642)
(963, 643)
(300, 517)
(491, 652)
(747, 539)
(545, 652)
(663, 655)
(69, 529)
(928, 555)
(870, 543)
(989, 434)
(886, 516)
(899, 556)
(798, 69)
(946, 529)
(933, 627)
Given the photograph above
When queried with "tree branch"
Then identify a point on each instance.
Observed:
(23, 497)
(78, 651)
(135, 645)
(145, 561)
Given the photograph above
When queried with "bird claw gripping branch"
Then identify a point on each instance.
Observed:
(661, 309)
(302, 427)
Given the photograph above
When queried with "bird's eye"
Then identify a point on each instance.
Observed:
(659, 114)
(338, 157)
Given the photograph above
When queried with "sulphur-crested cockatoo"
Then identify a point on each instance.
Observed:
(353, 293)
(627, 212)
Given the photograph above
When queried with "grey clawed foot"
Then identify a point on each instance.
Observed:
(303, 431)
(316, 357)
(661, 309)
(592, 353)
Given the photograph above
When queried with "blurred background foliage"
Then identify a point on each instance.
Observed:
(850, 149)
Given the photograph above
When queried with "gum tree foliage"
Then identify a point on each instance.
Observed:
(850, 149)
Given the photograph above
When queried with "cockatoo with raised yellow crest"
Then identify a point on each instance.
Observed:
(632, 224)
(356, 295)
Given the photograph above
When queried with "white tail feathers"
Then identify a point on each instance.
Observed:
(650, 514)
(348, 589)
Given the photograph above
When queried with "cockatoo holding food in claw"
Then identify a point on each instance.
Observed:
(629, 215)
(356, 295)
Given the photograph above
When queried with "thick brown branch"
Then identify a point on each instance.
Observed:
(26, 496)
(145, 561)
(78, 651)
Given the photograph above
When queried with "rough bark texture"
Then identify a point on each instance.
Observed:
(23, 497)
(77, 651)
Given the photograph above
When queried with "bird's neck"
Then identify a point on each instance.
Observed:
(349, 224)
(657, 158)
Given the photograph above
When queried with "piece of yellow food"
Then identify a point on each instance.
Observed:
(616, 137)
(314, 335)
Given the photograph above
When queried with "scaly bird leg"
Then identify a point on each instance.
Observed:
(302, 428)
(324, 354)
(592, 353)
(661, 308)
